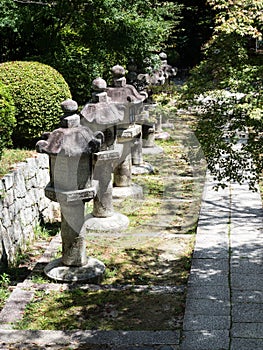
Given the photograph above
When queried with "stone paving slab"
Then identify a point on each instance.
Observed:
(212, 292)
(244, 281)
(246, 344)
(209, 277)
(207, 307)
(212, 240)
(218, 265)
(247, 330)
(250, 312)
(208, 253)
(224, 306)
(200, 322)
(14, 307)
(248, 296)
(70, 338)
(206, 340)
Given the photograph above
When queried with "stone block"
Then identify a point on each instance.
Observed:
(12, 212)
(31, 182)
(19, 188)
(1, 209)
(9, 197)
(253, 281)
(247, 330)
(27, 173)
(19, 204)
(208, 307)
(200, 322)
(15, 306)
(27, 216)
(43, 203)
(212, 292)
(212, 265)
(42, 161)
(52, 212)
(13, 237)
(247, 296)
(205, 340)
(246, 344)
(8, 181)
(211, 253)
(208, 277)
(42, 178)
(6, 218)
(250, 312)
(32, 165)
(8, 246)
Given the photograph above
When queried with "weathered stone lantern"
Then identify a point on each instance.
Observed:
(129, 133)
(70, 149)
(101, 115)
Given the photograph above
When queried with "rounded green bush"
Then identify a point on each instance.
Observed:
(7, 118)
(37, 90)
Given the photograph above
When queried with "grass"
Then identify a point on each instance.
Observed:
(104, 310)
(146, 264)
(12, 156)
(4, 288)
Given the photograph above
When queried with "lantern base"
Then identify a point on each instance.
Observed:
(152, 150)
(134, 191)
(91, 272)
(144, 168)
(112, 223)
(164, 135)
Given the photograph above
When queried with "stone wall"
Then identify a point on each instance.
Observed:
(23, 205)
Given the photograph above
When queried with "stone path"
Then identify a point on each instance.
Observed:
(224, 306)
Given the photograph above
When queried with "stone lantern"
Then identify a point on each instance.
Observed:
(129, 133)
(103, 116)
(70, 149)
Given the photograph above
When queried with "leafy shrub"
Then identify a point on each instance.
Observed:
(7, 118)
(37, 91)
(79, 67)
(229, 129)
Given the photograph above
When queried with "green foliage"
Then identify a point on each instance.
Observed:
(79, 65)
(4, 284)
(224, 119)
(4, 280)
(83, 39)
(7, 118)
(8, 19)
(37, 91)
(243, 17)
(227, 87)
(229, 60)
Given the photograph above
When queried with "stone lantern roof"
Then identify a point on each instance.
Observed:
(72, 139)
(122, 92)
(101, 110)
(70, 142)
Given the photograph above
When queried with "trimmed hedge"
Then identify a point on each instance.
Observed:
(37, 90)
(7, 118)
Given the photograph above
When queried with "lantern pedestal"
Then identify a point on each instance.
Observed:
(92, 271)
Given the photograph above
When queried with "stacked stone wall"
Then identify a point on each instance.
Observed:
(23, 205)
